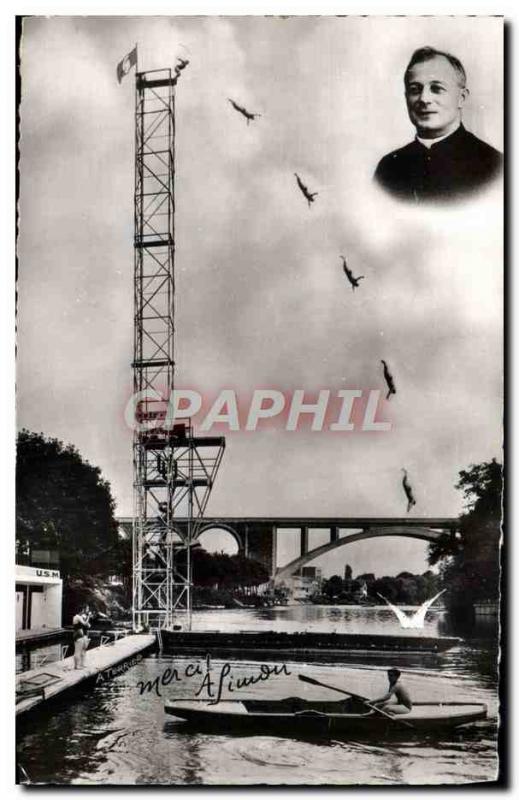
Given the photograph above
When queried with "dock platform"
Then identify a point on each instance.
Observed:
(36, 687)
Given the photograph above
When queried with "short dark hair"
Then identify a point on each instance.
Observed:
(394, 671)
(428, 53)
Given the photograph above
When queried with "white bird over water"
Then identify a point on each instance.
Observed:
(417, 619)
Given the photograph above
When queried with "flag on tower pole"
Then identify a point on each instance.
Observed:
(124, 66)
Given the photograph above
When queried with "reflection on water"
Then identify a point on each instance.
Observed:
(114, 734)
(479, 628)
(338, 619)
(33, 657)
(30, 655)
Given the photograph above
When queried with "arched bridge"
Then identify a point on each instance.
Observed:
(257, 537)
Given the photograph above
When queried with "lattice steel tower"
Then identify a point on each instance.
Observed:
(173, 469)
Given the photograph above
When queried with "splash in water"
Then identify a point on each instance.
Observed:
(416, 620)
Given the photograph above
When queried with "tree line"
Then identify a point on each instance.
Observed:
(405, 588)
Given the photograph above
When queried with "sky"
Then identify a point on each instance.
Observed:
(261, 297)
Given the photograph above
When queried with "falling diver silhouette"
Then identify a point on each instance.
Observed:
(247, 114)
(310, 196)
(349, 274)
(181, 64)
(389, 380)
(408, 491)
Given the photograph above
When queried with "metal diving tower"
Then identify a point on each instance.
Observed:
(174, 470)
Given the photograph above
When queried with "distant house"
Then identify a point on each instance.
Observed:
(362, 592)
(306, 582)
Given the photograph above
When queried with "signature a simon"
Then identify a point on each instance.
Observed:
(214, 680)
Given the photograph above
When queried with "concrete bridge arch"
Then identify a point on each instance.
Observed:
(257, 537)
(222, 526)
(427, 534)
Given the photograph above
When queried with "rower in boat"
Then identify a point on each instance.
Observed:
(397, 699)
(331, 716)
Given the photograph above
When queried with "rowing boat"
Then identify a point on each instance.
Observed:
(294, 713)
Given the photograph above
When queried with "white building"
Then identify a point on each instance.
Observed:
(38, 598)
(306, 582)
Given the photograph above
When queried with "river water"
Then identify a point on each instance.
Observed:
(118, 732)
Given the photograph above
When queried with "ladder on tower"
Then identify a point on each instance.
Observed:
(174, 470)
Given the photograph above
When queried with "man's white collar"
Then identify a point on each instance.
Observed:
(429, 142)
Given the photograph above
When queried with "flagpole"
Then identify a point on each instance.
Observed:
(136, 57)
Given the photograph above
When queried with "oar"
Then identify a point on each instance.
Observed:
(362, 699)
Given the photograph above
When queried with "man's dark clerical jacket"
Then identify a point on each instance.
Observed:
(451, 169)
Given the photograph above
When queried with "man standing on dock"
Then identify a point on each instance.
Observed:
(397, 699)
(81, 641)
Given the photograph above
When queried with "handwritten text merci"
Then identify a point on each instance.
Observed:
(214, 680)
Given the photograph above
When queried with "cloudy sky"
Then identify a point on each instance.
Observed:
(261, 297)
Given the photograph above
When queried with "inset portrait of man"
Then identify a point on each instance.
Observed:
(445, 161)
